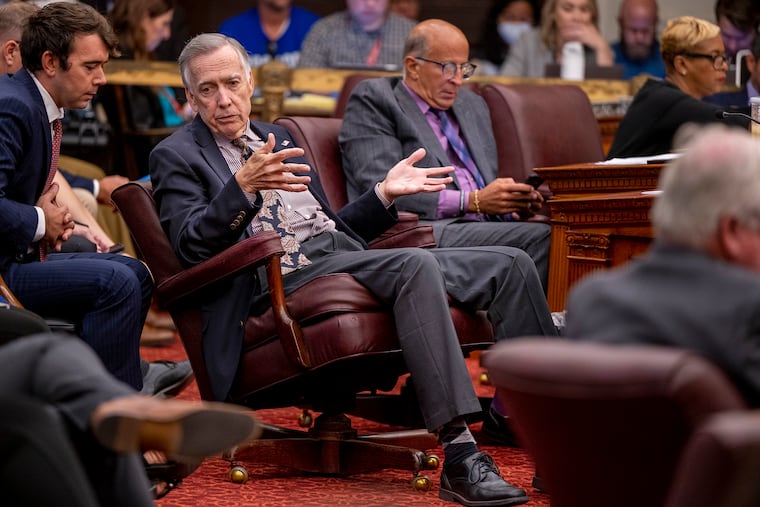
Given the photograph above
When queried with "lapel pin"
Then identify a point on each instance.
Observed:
(285, 142)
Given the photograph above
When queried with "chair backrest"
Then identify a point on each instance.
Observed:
(538, 126)
(720, 464)
(606, 424)
(319, 139)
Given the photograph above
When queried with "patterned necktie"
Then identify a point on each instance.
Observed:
(459, 147)
(57, 135)
(272, 218)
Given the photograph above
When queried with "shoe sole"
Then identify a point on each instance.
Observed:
(199, 433)
(450, 496)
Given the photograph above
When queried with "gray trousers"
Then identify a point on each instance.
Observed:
(531, 237)
(415, 283)
(62, 372)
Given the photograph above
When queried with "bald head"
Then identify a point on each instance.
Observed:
(638, 28)
(430, 33)
(13, 16)
(436, 62)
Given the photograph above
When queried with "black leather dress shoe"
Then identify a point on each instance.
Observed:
(496, 430)
(476, 482)
(166, 378)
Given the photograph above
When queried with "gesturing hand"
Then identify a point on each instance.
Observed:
(265, 170)
(405, 179)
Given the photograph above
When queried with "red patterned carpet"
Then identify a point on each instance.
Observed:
(273, 486)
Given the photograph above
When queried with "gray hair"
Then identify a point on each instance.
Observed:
(204, 44)
(718, 175)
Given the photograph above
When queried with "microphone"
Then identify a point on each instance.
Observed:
(725, 114)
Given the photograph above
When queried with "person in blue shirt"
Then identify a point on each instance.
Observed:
(272, 28)
(638, 50)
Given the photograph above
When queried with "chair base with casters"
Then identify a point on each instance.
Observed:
(327, 341)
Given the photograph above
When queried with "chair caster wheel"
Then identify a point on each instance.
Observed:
(432, 462)
(422, 483)
(238, 474)
(483, 379)
(305, 420)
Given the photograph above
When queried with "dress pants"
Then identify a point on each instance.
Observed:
(60, 372)
(531, 237)
(106, 295)
(415, 283)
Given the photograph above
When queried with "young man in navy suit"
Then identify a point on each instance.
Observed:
(64, 48)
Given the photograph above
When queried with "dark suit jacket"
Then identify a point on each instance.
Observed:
(658, 110)
(25, 151)
(204, 211)
(383, 124)
(678, 297)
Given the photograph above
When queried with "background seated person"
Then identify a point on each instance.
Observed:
(738, 21)
(366, 34)
(562, 21)
(503, 25)
(638, 50)
(698, 287)
(273, 28)
(696, 66)
(739, 100)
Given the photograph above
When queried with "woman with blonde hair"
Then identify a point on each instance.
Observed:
(562, 21)
(695, 66)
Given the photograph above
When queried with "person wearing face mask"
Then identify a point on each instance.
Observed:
(638, 51)
(562, 21)
(505, 22)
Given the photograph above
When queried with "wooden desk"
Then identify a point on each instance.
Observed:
(599, 217)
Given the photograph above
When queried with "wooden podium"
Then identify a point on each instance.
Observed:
(599, 217)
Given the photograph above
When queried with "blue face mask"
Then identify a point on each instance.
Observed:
(511, 31)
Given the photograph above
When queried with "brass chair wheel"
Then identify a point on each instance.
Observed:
(432, 462)
(305, 420)
(483, 379)
(422, 483)
(238, 474)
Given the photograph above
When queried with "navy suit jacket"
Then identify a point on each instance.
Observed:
(25, 152)
(731, 101)
(204, 211)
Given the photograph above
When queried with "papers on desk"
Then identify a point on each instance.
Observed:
(651, 192)
(652, 159)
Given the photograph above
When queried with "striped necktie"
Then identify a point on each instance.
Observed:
(57, 135)
(459, 147)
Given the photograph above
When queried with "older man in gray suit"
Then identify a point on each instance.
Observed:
(388, 118)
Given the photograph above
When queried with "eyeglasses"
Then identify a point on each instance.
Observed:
(449, 69)
(718, 60)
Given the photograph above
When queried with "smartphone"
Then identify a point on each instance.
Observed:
(117, 248)
(534, 180)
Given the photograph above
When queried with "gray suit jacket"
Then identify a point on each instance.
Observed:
(677, 297)
(383, 124)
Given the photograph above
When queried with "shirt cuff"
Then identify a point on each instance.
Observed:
(382, 198)
(448, 203)
(40, 232)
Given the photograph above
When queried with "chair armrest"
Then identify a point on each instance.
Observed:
(406, 233)
(263, 248)
(247, 254)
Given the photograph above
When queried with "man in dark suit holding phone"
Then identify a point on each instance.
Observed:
(387, 118)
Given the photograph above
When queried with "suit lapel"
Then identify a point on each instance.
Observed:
(427, 137)
(470, 123)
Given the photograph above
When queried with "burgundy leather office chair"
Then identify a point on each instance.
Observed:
(319, 139)
(720, 463)
(606, 424)
(539, 126)
(317, 348)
